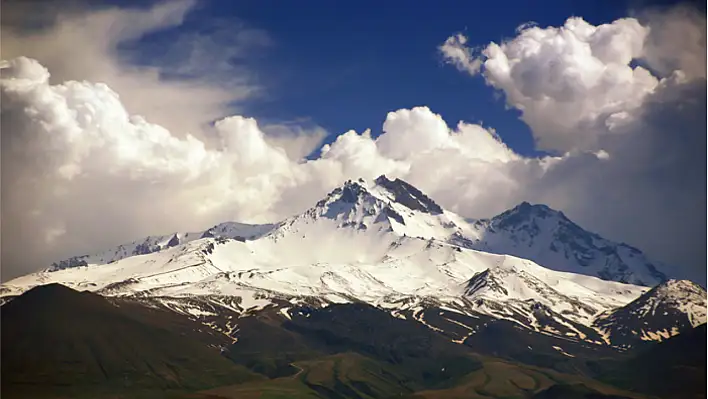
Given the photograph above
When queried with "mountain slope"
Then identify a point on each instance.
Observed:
(673, 368)
(386, 244)
(151, 244)
(342, 375)
(549, 238)
(533, 232)
(367, 353)
(666, 310)
(61, 343)
(56, 341)
(266, 268)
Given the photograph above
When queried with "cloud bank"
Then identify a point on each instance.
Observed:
(80, 170)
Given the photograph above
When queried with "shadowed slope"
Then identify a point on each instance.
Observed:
(675, 368)
(57, 341)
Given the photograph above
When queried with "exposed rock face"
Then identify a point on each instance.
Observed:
(406, 194)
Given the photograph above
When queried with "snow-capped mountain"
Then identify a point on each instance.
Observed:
(549, 238)
(150, 244)
(662, 312)
(384, 243)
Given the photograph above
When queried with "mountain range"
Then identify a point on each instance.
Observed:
(527, 289)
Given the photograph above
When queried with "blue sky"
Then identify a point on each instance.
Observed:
(346, 65)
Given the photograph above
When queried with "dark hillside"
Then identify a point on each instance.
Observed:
(57, 341)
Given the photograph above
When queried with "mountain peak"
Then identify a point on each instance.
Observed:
(408, 196)
(49, 296)
(354, 204)
(351, 190)
(673, 289)
(670, 308)
(525, 211)
(348, 193)
(384, 195)
(528, 207)
(546, 236)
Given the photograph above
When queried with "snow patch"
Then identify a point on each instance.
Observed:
(559, 349)
(284, 312)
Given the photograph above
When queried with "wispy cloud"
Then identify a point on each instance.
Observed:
(456, 52)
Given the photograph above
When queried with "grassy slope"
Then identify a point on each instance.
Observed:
(425, 358)
(675, 368)
(356, 351)
(503, 339)
(344, 375)
(56, 340)
(387, 361)
(59, 342)
(503, 379)
(351, 375)
(265, 347)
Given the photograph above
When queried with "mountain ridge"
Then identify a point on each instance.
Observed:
(570, 248)
(666, 310)
(356, 244)
(351, 350)
(555, 241)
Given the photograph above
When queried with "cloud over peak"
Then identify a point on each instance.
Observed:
(85, 173)
(83, 170)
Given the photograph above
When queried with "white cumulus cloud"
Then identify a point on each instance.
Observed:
(82, 170)
(633, 138)
(84, 173)
(568, 81)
